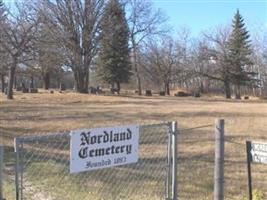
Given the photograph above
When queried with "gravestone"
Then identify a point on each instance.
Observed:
(33, 90)
(182, 94)
(25, 90)
(148, 93)
(162, 93)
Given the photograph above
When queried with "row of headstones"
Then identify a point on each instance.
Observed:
(27, 90)
(178, 94)
(24, 90)
(181, 94)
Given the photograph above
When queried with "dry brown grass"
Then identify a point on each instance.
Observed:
(45, 112)
(245, 120)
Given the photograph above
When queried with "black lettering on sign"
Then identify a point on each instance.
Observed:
(85, 138)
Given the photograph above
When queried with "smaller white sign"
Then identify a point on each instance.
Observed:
(98, 148)
(259, 152)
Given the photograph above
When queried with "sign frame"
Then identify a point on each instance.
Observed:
(105, 147)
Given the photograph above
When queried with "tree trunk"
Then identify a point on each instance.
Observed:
(227, 90)
(46, 81)
(32, 84)
(167, 88)
(11, 79)
(112, 88)
(139, 86)
(118, 87)
(138, 79)
(15, 82)
(87, 80)
(86, 65)
(201, 87)
(81, 83)
(237, 92)
(2, 83)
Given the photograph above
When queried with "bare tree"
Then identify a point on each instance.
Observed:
(3, 68)
(18, 35)
(144, 22)
(259, 58)
(3, 54)
(48, 55)
(184, 53)
(217, 60)
(161, 62)
(75, 26)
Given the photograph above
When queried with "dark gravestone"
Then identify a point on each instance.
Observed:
(148, 93)
(19, 89)
(182, 94)
(196, 94)
(25, 90)
(114, 90)
(92, 90)
(62, 87)
(162, 93)
(99, 90)
(33, 90)
(237, 96)
(246, 97)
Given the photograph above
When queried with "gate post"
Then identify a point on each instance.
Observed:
(219, 160)
(169, 164)
(17, 168)
(174, 160)
(1, 171)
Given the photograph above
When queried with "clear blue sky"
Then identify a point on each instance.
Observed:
(201, 15)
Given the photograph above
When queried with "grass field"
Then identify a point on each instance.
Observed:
(245, 120)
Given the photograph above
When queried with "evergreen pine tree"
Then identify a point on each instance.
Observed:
(2, 11)
(239, 53)
(114, 49)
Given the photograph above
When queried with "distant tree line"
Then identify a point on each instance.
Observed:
(122, 41)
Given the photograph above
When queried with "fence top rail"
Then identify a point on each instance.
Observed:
(40, 137)
(197, 127)
(43, 136)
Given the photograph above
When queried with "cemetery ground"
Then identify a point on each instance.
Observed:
(244, 120)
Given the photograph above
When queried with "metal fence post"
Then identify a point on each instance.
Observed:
(219, 160)
(1, 172)
(17, 168)
(248, 148)
(174, 160)
(169, 164)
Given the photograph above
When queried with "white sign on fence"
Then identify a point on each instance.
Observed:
(259, 152)
(99, 148)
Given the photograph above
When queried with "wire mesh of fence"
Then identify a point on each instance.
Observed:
(235, 169)
(43, 166)
(8, 173)
(236, 174)
(196, 162)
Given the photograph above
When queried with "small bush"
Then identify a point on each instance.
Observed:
(256, 195)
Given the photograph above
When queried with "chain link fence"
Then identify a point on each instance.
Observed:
(236, 174)
(196, 166)
(8, 173)
(196, 162)
(43, 166)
